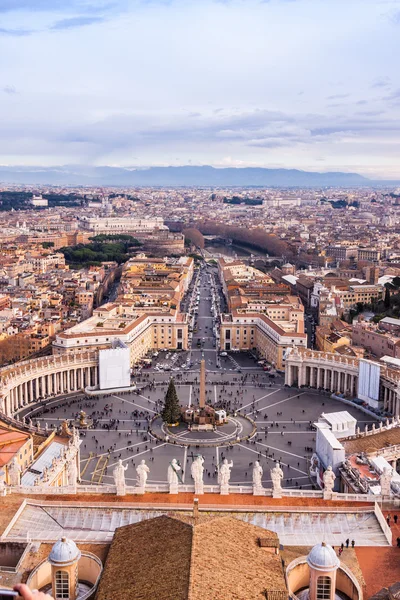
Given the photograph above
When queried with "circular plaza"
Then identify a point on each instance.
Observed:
(266, 421)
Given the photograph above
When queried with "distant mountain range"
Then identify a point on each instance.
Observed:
(180, 176)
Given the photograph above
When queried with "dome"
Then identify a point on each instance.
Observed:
(323, 558)
(64, 552)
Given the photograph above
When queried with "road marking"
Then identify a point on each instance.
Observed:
(268, 457)
(190, 396)
(138, 454)
(144, 398)
(280, 450)
(215, 394)
(117, 450)
(135, 404)
(284, 400)
(258, 399)
(184, 464)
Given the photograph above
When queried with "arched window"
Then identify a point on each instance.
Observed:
(62, 585)
(323, 588)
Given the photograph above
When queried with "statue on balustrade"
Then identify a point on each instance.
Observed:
(142, 471)
(385, 481)
(277, 476)
(197, 470)
(329, 480)
(257, 475)
(119, 478)
(224, 474)
(72, 472)
(65, 430)
(173, 479)
(14, 472)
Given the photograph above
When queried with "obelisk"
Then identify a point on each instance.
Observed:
(202, 400)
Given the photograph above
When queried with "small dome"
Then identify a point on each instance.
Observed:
(64, 552)
(323, 558)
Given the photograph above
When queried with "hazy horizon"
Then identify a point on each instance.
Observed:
(297, 84)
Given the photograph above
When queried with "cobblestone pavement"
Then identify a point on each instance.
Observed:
(120, 427)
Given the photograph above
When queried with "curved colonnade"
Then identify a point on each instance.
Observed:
(339, 374)
(33, 380)
(30, 381)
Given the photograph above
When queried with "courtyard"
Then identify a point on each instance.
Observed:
(120, 425)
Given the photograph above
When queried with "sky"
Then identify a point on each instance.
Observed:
(308, 84)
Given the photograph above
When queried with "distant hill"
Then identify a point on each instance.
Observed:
(179, 176)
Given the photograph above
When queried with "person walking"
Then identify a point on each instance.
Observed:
(353, 543)
(388, 520)
(347, 542)
(398, 542)
(342, 546)
(395, 519)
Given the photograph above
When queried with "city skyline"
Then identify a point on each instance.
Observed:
(302, 84)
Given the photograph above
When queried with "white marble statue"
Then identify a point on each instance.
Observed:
(173, 480)
(14, 472)
(386, 480)
(224, 474)
(72, 472)
(257, 475)
(329, 480)
(142, 471)
(197, 469)
(119, 477)
(276, 476)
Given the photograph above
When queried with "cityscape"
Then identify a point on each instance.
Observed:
(199, 300)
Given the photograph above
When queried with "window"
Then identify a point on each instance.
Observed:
(323, 588)
(62, 584)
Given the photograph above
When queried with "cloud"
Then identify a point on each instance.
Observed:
(9, 89)
(337, 96)
(76, 22)
(381, 82)
(15, 32)
(53, 5)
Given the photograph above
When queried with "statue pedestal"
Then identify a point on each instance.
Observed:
(277, 493)
(224, 490)
(258, 491)
(328, 495)
(139, 489)
(199, 489)
(173, 488)
(121, 490)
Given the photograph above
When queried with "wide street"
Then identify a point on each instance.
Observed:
(120, 422)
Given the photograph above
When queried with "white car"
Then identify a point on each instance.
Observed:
(224, 354)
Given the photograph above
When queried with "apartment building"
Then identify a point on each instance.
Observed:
(376, 341)
(252, 331)
(156, 282)
(264, 315)
(141, 331)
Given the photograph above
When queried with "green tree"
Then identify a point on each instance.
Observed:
(387, 298)
(172, 410)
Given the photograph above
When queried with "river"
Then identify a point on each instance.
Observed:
(233, 251)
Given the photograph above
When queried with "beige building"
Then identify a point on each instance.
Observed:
(257, 331)
(141, 331)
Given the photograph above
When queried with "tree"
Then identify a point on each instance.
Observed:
(172, 410)
(387, 298)
(194, 236)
